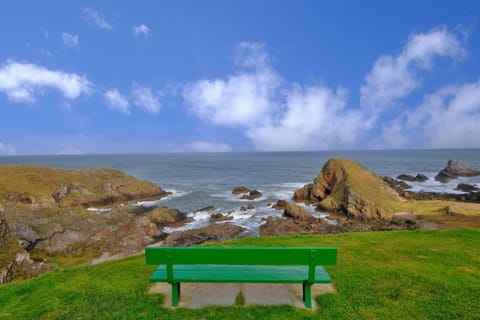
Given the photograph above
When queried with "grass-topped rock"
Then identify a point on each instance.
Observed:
(345, 186)
(36, 186)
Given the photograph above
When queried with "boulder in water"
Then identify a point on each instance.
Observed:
(455, 169)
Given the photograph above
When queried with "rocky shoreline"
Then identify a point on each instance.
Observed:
(44, 212)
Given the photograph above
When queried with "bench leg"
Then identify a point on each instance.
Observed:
(307, 295)
(175, 293)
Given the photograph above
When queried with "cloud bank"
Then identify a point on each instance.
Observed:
(22, 82)
(275, 114)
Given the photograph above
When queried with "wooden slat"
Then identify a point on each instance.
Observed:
(241, 256)
(240, 274)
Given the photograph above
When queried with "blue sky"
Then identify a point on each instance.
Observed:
(183, 76)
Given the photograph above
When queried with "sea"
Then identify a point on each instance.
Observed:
(199, 180)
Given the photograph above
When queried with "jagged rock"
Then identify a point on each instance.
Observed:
(211, 233)
(250, 206)
(398, 185)
(455, 169)
(297, 213)
(206, 209)
(252, 195)
(418, 178)
(240, 190)
(345, 186)
(242, 208)
(465, 187)
(216, 217)
(280, 205)
(15, 262)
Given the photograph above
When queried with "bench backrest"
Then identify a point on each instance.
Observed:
(242, 255)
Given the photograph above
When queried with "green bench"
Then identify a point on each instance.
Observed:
(241, 265)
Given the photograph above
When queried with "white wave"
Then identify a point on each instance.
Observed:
(153, 203)
(100, 210)
(431, 185)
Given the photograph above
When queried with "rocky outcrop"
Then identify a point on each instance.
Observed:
(163, 216)
(455, 169)
(280, 205)
(15, 262)
(442, 196)
(345, 186)
(240, 190)
(295, 220)
(251, 195)
(211, 233)
(465, 187)
(217, 217)
(247, 194)
(40, 187)
(296, 212)
(418, 178)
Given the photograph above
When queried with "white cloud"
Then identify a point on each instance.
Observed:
(7, 149)
(22, 81)
(394, 77)
(315, 118)
(142, 30)
(243, 99)
(93, 17)
(70, 40)
(274, 114)
(206, 146)
(116, 100)
(145, 98)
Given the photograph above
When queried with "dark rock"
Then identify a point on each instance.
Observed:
(399, 186)
(465, 187)
(240, 190)
(206, 209)
(296, 212)
(250, 206)
(455, 169)
(242, 208)
(216, 217)
(423, 195)
(418, 178)
(211, 233)
(280, 205)
(252, 195)
(274, 226)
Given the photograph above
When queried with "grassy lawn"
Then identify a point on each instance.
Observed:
(382, 275)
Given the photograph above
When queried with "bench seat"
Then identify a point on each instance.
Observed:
(240, 274)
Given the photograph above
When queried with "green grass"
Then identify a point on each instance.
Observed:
(382, 275)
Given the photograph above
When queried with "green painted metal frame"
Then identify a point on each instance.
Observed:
(243, 256)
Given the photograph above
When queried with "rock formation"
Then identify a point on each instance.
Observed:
(15, 262)
(465, 187)
(296, 220)
(45, 211)
(455, 169)
(345, 186)
(418, 178)
(246, 193)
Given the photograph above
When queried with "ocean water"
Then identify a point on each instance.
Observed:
(198, 180)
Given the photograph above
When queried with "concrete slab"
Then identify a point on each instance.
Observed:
(198, 295)
(266, 294)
